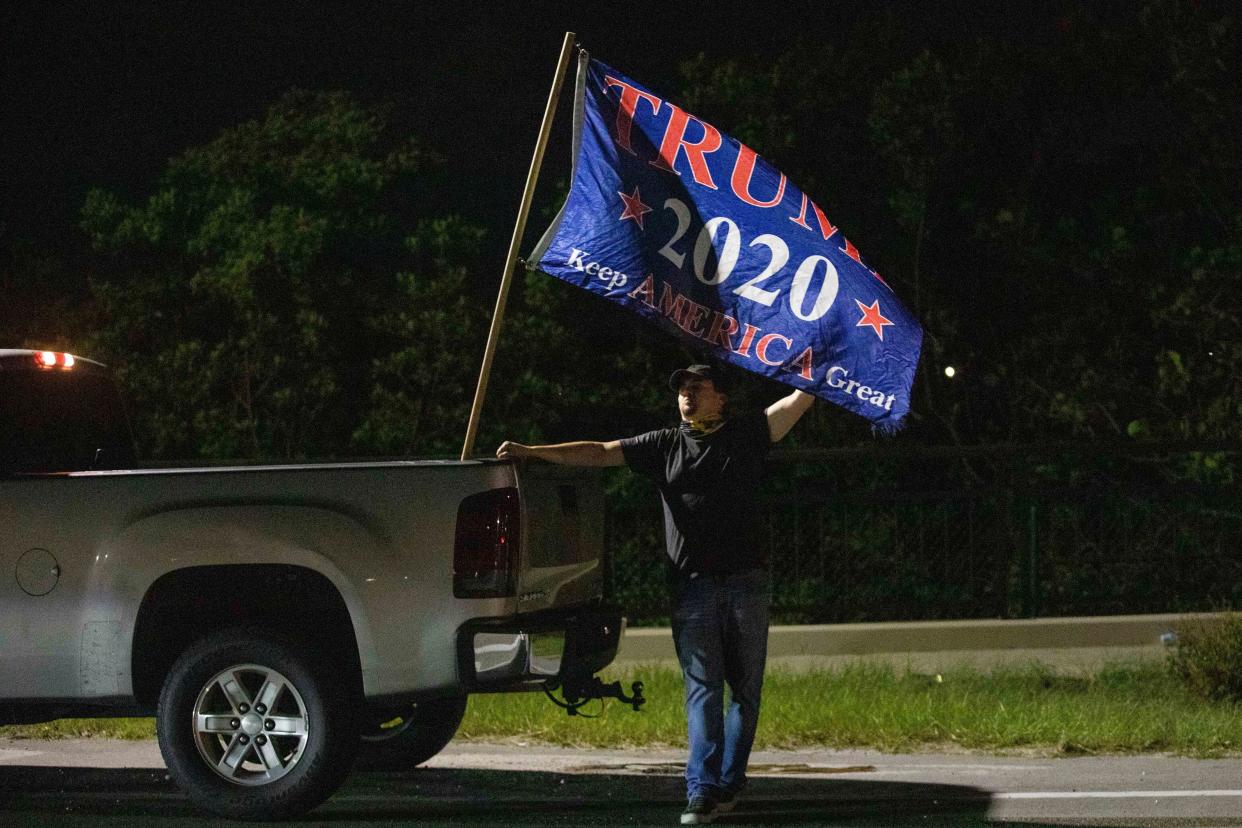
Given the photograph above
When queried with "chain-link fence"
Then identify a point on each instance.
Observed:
(995, 532)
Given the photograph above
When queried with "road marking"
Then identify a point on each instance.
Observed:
(1114, 794)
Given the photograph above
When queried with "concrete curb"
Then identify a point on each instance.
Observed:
(1068, 642)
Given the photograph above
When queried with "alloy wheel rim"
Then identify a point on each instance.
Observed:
(250, 725)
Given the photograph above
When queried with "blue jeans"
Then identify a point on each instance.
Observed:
(720, 627)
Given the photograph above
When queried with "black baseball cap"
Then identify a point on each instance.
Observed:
(707, 372)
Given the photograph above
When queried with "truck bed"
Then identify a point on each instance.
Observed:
(88, 547)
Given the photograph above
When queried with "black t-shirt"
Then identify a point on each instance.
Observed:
(709, 485)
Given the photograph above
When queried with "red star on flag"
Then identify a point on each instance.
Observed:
(871, 317)
(634, 207)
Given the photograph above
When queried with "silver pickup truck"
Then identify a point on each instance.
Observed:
(273, 618)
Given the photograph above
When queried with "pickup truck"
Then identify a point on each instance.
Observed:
(274, 617)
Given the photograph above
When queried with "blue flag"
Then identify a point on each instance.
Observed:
(693, 231)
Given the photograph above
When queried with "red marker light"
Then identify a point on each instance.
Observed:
(50, 359)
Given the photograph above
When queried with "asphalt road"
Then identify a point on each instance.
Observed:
(101, 783)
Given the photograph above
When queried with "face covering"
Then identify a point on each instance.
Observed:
(701, 428)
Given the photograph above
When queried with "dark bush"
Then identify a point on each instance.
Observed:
(1208, 656)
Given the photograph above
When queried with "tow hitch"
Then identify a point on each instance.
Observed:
(575, 693)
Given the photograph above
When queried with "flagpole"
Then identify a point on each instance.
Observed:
(519, 229)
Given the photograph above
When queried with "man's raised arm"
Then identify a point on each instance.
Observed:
(785, 412)
(582, 453)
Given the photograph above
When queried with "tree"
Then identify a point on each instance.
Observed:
(1197, 309)
(420, 401)
(244, 301)
(1056, 198)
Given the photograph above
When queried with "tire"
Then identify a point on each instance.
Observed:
(414, 734)
(254, 727)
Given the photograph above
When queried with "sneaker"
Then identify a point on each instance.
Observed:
(700, 810)
(726, 801)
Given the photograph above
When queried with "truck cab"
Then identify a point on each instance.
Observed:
(60, 413)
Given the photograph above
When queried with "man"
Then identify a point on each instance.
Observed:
(707, 471)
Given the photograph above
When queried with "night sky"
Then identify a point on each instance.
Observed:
(103, 94)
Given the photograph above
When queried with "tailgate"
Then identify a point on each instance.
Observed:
(562, 536)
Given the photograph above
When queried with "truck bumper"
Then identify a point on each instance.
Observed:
(522, 653)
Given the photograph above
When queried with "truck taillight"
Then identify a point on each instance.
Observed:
(487, 544)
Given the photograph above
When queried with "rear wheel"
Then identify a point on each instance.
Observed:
(413, 734)
(252, 726)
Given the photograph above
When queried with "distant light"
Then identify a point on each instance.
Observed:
(47, 358)
(69, 360)
(949, 371)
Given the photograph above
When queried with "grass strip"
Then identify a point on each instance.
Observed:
(1125, 708)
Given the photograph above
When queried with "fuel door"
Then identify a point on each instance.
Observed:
(37, 572)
